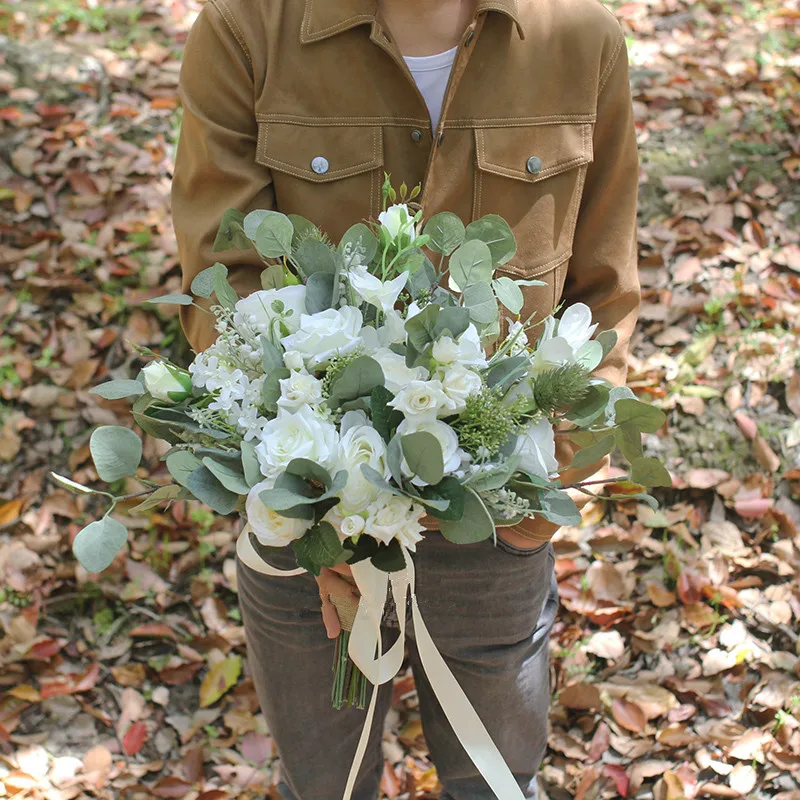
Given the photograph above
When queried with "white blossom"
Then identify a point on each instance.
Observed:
(371, 289)
(271, 528)
(536, 449)
(397, 221)
(392, 517)
(326, 334)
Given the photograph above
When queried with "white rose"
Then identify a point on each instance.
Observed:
(257, 312)
(270, 528)
(293, 360)
(360, 444)
(536, 448)
(395, 372)
(517, 339)
(420, 399)
(452, 454)
(393, 329)
(392, 517)
(326, 334)
(302, 434)
(167, 383)
(300, 389)
(458, 384)
(352, 525)
(371, 289)
(445, 350)
(568, 341)
(397, 221)
(470, 349)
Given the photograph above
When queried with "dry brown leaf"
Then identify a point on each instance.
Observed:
(580, 696)
(653, 700)
(765, 455)
(628, 715)
(606, 644)
(705, 478)
(660, 596)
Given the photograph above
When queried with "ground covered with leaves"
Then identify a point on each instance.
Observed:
(675, 670)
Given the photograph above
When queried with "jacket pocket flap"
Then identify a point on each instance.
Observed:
(319, 153)
(535, 152)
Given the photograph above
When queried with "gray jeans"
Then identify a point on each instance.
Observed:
(489, 610)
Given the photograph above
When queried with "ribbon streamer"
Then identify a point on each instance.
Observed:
(380, 668)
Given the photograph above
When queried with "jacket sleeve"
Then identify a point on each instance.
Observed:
(215, 166)
(603, 270)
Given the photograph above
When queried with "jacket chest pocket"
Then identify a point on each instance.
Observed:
(533, 176)
(330, 174)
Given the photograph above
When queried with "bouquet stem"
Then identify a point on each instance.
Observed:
(349, 683)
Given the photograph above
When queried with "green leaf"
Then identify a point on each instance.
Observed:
(71, 485)
(475, 524)
(448, 489)
(589, 455)
(421, 329)
(357, 379)
(446, 231)
(531, 283)
(230, 478)
(181, 464)
(252, 470)
(358, 246)
(207, 489)
(508, 293)
(98, 543)
(471, 264)
(559, 507)
(116, 452)
(285, 500)
(495, 232)
(231, 233)
(253, 220)
(172, 299)
(506, 371)
(319, 292)
(384, 417)
(591, 408)
(314, 256)
(310, 471)
(271, 355)
(394, 459)
(629, 440)
(302, 227)
(203, 283)
(389, 557)
(650, 472)
(226, 294)
(274, 236)
(319, 547)
(424, 456)
(272, 277)
(222, 676)
(646, 418)
(479, 299)
(608, 340)
(377, 479)
(452, 321)
(271, 389)
(161, 495)
(489, 480)
(116, 390)
(422, 279)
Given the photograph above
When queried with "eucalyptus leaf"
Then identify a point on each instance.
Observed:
(421, 329)
(271, 389)
(319, 292)
(591, 407)
(446, 231)
(475, 524)
(203, 283)
(272, 277)
(230, 235)
(448, 489)
(231, 479)
(629, 440)
(358, 246)
(271, 355)
(319, 547)
(531, 283)
(452, 321)
(646, 418)
(421, 280)
(471, 263)
(495, 232)
(116, 452)
(315, 256)
(310, 471)
(358, 379)
(507, 370)
(98, 543)
(377, 480)
(394, 460)
(389, 557)
(70, 485)
(593, 453)
(116, 390)
(226, 294)
(424, 456)
(481, 303)
(608, 340)
(508, 293)
(163, 494)
(650, 472)
(207, 489)
(302, 228)
(172, 299)
(559, 507)
(384, 417)
(181, 464)
(273, 235)
(250, 465)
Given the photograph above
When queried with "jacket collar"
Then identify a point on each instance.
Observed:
(325, 18)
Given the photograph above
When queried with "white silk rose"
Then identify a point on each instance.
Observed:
(166, 383)
(396, 374)
(422, 399)
(326, 334)
(536, 449)
(445, 350)
(452, 454)
(568, 341)
(303, 434)
(360, 444)
(371, 289)
(397, 221)
(300, 389)
(459, 383)
(392, 517)
(270, 528)
(257, 312)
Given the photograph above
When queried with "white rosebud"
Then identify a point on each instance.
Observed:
(392, 517)
(396, 374)
(420, 399)
(397, 221)
(258, 311)
(293, 360)
(371, 289)
(300, 389)
(458, 384)
(360, 444)
(445, 350)
(352, 525)
(166, 383)
(536, 449)
(271, 528)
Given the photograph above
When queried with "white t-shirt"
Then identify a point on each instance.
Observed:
(431, 74)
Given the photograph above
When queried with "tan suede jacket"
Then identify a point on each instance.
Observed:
(303, 105)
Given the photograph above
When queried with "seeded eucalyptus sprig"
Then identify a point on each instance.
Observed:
(560, 388)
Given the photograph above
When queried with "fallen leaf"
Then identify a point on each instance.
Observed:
(606, 644)
(660, 596)
(220, 678)
(765, 455)
(171, 787)
(705, 478)
(628, 715)
(580, 696)
(134, 738)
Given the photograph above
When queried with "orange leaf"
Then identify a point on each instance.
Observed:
(660, 596)
(73, 684)
(171, 787)
(154, 630)
(9, 512)
(628, 715)
(221, 677)
(134, 739)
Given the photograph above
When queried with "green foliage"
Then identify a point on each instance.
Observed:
(560, 388)
(98, 543)
(117, 390)
(496, 234)
(116, 452)
(486, 425)
(320, 547)
(474, 525)
(446, 231)
(471, 263)
(424, 456)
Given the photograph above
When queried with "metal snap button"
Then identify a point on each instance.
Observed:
(440, 139)
(416, 135)
(534, 165)
(320, 165)
(470, 37)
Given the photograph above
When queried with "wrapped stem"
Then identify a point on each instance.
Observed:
(349, 683)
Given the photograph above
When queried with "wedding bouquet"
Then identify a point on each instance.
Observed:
(353, 395)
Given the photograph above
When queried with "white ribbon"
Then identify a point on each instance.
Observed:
(380, 668)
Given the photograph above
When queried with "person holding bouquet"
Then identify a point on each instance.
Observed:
(519, 108)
